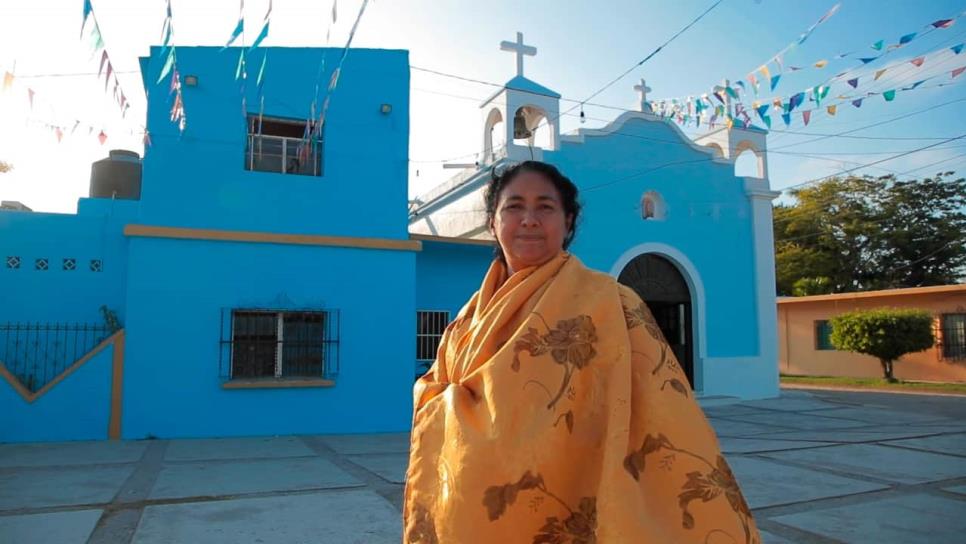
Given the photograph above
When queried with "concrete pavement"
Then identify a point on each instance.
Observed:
(816, 467)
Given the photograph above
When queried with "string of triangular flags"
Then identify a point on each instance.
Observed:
(740, 87)
(312, 131)
(106, 66)
(904, 40)
(693, 108)
(685, 113)
(772, 79)
(334, 79)
(241, 71)
(819, 92)
(59, 131)
(170, 54)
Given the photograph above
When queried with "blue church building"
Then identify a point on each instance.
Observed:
(255, 276)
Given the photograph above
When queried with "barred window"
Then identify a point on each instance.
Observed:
(280, 344)
(284, 146)
(954, 336)
(823, 336)
(429, 331)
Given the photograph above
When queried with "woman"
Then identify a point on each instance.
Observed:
(555, 411)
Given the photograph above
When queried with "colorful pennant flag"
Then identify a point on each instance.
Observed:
(764, 71)
(774, 81)
(264, 32)
(7, 80)
(239, 27)
(878, 74)
(889, 95)
(958, 71)
(857, 102)
(796, 100)
(831, 109)
(943, 23)
(812, 28)
(821, 64)
(907, 38)
(102, 137)
(918, 61)
(853, 82)
(878, 45)
(957, 48)
(787, 118)
(806, 115)
(87, 11)
(867, 60)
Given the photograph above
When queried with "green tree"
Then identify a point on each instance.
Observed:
(866, 233)
(925, 223)
(884, 333)
(804, 287)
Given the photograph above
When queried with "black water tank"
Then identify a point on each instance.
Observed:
(118, 176)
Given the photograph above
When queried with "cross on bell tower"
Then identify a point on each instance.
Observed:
(642, 90)
(520, 50)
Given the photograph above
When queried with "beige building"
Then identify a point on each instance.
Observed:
(803, 334)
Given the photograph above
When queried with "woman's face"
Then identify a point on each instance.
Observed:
(530, 223)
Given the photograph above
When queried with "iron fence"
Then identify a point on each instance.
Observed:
(36, 353)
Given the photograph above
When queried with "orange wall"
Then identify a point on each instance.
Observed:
(796, 333)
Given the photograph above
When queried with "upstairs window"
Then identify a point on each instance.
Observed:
(283, 146)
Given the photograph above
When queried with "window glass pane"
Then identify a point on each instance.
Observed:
(823, 331)
(255, 342)
(303, 349)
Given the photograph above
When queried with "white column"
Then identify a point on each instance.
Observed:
(761, 198)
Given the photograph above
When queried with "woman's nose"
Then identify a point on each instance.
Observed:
(529, 218)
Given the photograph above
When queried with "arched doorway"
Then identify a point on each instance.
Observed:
(659, 282)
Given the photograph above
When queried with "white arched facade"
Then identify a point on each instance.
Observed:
(696, 286)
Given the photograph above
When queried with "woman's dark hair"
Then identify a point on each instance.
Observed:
(566, 188)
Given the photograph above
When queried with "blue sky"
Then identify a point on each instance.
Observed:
(581, 46)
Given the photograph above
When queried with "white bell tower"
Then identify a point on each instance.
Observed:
(523, 106)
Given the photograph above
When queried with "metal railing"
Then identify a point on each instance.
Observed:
(283, 155)
(263, 343)
(36, 353)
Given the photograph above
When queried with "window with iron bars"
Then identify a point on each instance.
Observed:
(280, 344)
(953, 336)
(284, 146)
(429, 332)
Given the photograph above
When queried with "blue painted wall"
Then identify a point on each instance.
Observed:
(176, 294)
(197, 179)
(448, 274)
(57, 295)
(77, 408)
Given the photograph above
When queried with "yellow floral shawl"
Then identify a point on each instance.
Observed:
(556, 413)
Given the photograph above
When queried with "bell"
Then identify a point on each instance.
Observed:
(520, 130)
